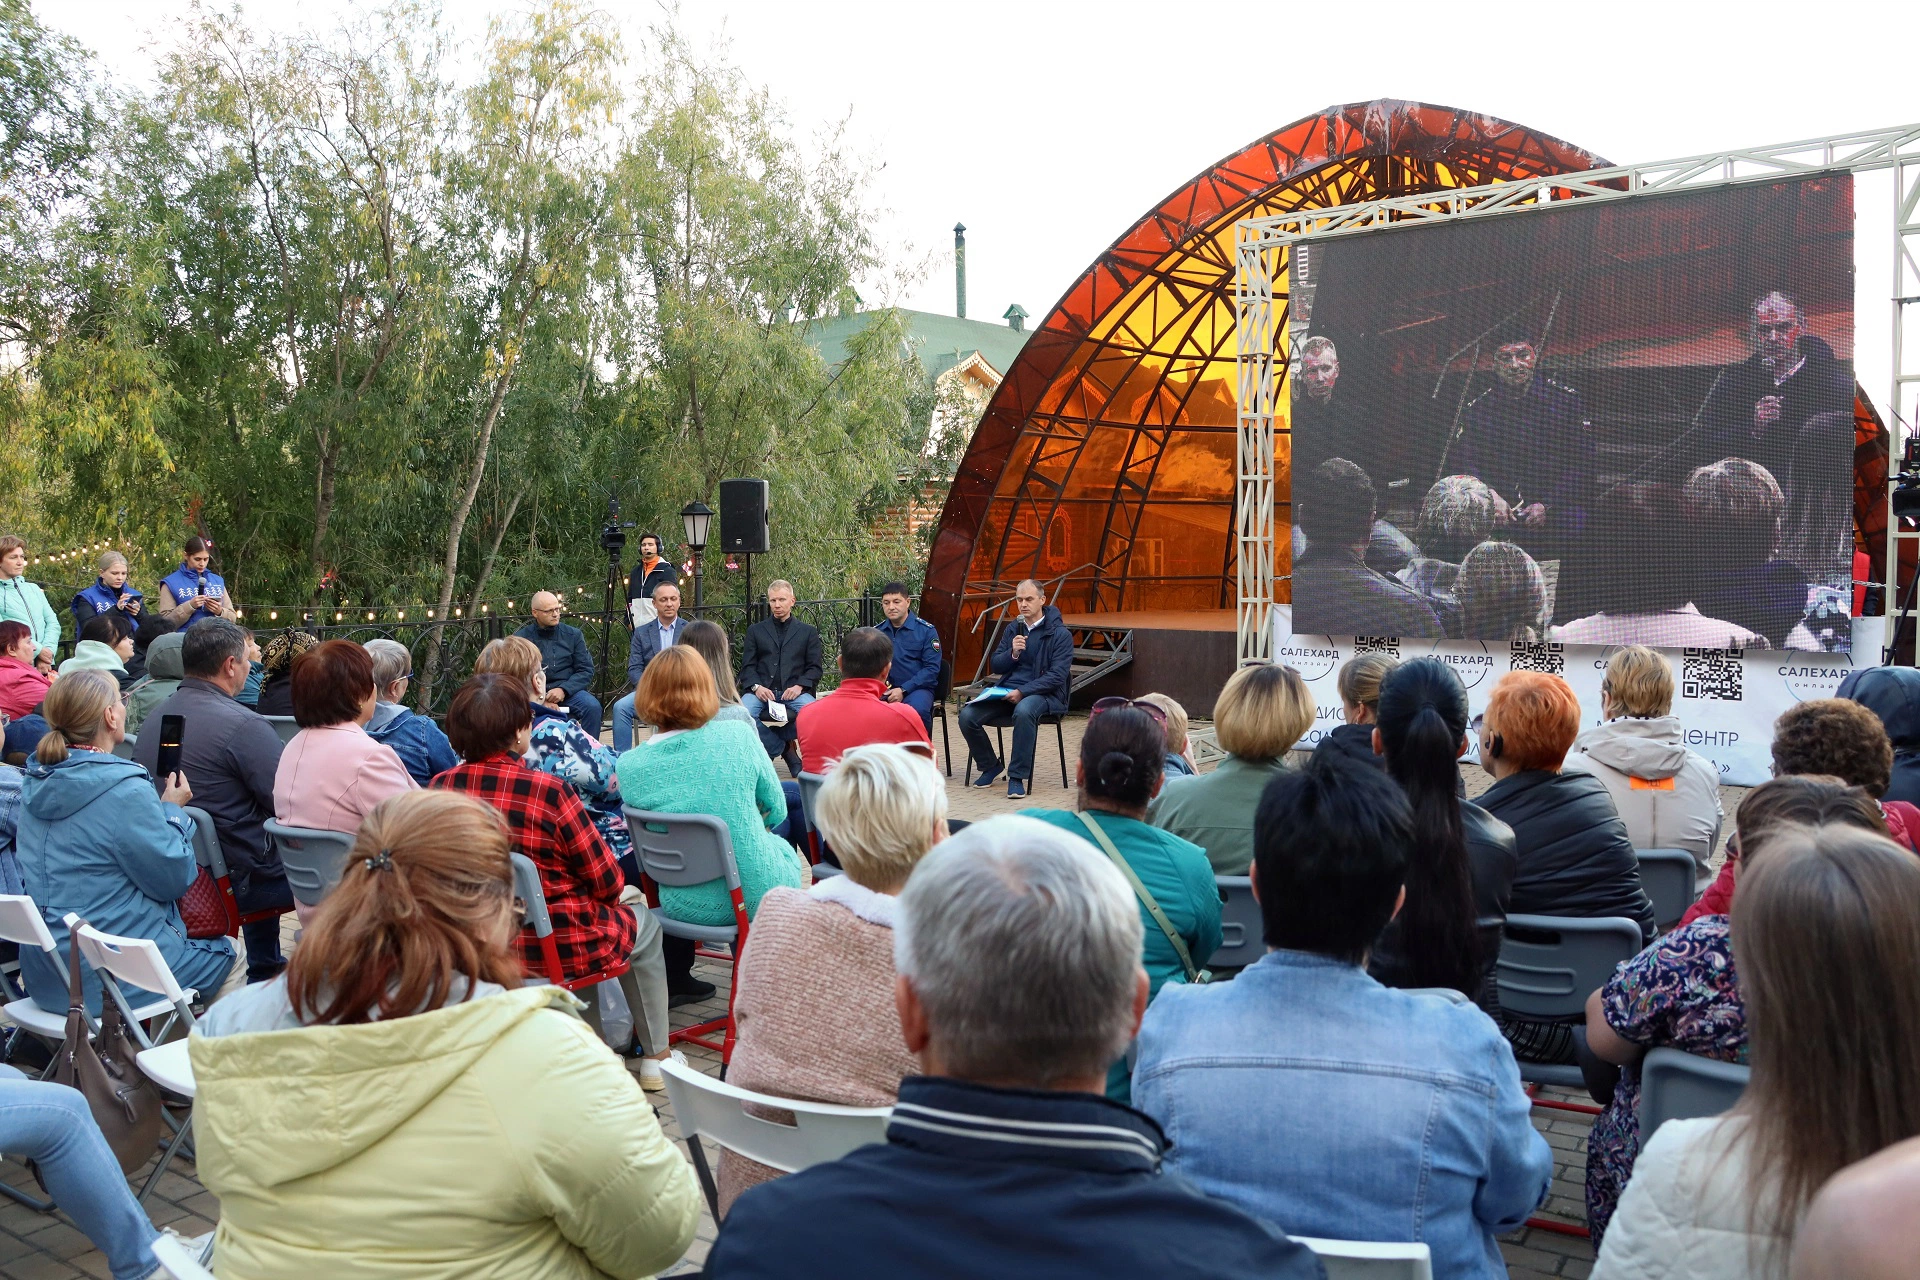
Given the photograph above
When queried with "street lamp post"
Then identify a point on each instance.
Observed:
(696, 515)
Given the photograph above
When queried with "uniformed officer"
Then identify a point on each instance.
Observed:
(1527, 437)
(916, 652)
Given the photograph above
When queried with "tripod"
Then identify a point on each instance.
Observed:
(613, 540)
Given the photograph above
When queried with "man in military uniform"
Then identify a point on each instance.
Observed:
(915, 675)
(1527, 437)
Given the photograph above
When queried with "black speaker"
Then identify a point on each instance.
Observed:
(743, 517)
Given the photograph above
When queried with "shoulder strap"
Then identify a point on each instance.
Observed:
(1145, 895)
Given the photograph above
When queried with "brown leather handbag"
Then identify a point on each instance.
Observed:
(126, 1105)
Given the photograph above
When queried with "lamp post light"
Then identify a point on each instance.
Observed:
(696, 515)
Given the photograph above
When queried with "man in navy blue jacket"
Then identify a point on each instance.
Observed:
(563, 650)
(1005, 1159)
(1034, 661)
(916, 652)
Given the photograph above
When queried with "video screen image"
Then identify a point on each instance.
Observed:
(1620, 422)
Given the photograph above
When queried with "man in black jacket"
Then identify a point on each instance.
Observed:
(563, 651)
(1757, 409)
(1034, 661)
(1004, 1159)
(779, 662)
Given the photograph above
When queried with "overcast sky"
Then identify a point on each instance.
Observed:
(1050, 127)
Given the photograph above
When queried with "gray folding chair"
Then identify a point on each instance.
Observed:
(284, 726)
(1685, 1086)
(680, 850)
(1369, 1260)
(1548, 967)
(124, 748)
(810, 784)
(1667, 875)
(1241, 929)
(315, 860)
(533, 902)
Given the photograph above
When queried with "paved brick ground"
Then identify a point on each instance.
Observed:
(43, 1247)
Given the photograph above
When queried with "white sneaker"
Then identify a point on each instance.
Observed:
(652, 1079)
(199, 1248)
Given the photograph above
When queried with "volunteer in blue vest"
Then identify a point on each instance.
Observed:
(109, 591)
(916, 652)
(192, 591)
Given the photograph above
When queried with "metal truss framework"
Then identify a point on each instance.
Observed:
(1263, 248)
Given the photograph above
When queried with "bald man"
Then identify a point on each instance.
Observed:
(563, 650)
(1865, 1223)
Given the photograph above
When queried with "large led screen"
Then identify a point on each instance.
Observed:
(1618, 422)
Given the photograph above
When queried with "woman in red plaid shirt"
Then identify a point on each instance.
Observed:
(488, 724)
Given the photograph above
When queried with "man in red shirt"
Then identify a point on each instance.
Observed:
(856, 713)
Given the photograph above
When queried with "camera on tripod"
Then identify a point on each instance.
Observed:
(613, 537)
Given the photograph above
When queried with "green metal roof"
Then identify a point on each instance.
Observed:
(942, 341)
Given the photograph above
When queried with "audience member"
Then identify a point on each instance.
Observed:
(1668, 796)
(857, 711)
(105, 644)
(22, 682)
(108, 592)
(1117, 774)
(915, 679)
(567, 662)
(332, 774)
(192, 591)
(231, 755)
(1461, 862)
(649, 638)
(1306, 1093)
(1358, 684)
(249, 695)
(165, 670)
(594, 922)
(558, 746)
(815, 1002)
(1865, 1223)
(1034, 660)
(709, 640)
(404, 1021)
(150, 628)
(779, 663)
(1736, 510)
(1334, 590)
(94, 839)
(276, 665)
(992, 927)
(1829, 973)
(1178, 762)
(1262, 711)
(11, 780)
(650, 572)
(23, 601)
(1680, 992)
(1502, 594)
(1457, 515)
(1893, 694)
(416, 739)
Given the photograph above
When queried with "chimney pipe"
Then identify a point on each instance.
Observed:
(960, 269)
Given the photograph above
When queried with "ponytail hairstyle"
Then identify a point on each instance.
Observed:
(1422, 717)
(1122, 753)
(426, 898)
(76, 710)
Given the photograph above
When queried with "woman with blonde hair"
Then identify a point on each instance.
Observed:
(109, 592)
(400, 1019)
(1359, 685)
(815, 1004)
(1263, 711)
(94, 839)
(709, 640)
(1179, 762)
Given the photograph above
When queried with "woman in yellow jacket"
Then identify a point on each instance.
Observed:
(396, 1104)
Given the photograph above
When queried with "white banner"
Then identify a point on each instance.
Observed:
(1727, 699)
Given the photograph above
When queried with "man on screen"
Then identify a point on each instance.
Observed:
(1323, 427)
(1758, 409)
(1334, 592)
(1528, 439)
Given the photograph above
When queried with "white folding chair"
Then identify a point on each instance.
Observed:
(1370, 1260)
(138, 962)
(174, 1260)
(717, 1111)
(21, 923)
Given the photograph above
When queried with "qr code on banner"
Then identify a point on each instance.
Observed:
(1389, 645)
(1710, 673)
(1550, 658)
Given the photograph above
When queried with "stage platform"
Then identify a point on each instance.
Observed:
(1185, 654)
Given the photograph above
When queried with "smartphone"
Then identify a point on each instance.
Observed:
(167, 762)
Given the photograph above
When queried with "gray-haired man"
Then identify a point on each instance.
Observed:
(1018, 949)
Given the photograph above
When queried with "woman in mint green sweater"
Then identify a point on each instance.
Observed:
(697, 764)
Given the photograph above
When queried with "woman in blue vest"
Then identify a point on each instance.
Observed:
(109, 591)
(191, 592)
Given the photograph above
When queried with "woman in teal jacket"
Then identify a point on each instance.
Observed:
(24, 601)
(95, 840)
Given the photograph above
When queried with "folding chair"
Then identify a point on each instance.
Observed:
(810, 784)
(719, 1112)
(1367, 1260)
(207, 852)
(174, 1260)
(138, 962)
(285, 726)
(1668, 877)
(941, 692)
(21, 923)
(124, 748)
(533, 899)
(680, 850)
(315, 860)
(1241, 929)
(1000, 743)
(1684, 1086)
